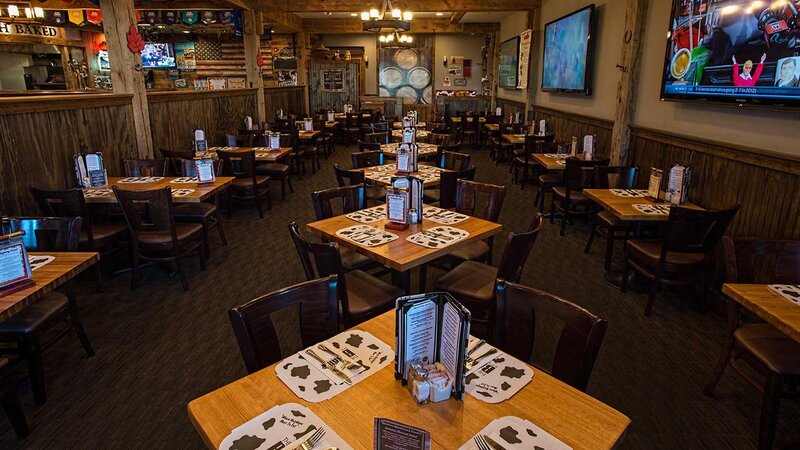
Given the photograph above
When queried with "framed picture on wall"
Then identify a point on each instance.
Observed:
(509, 62)
(333, 80)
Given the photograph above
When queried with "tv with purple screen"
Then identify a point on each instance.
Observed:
(158, 55)
(568, 53)
(740, 51)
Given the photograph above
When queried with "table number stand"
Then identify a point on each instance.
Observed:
(16, 269)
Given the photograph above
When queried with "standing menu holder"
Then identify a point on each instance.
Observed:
(89, 170)
(308, 124)
(498, 112)
(15, 269)
(588, 146)
(200, 142)
(205, 170)
(407, 122)
(654, 185)
(274, 141)
(573, 151)
(414, 186)
(407, 158)
(409, 135)
(248, 123)
(542, 127)
(331, 116)
(678, 184)
(433, 326)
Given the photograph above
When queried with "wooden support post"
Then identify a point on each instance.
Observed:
(126, 68)
(494, 69)
(252, 47)
(303, 50)
(627, 90)
(70, 78)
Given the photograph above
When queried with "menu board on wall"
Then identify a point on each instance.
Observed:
(185, 56)
(333, 80)
(524, 58)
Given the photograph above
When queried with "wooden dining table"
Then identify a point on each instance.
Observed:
(457, 119)
(768, 305)
(423, 149)
(574, 417)
(622, 207)
(201, 192)
(308, 135)
(399, 125)
(421, 134)
(516, 139)
(265, 154)
(64, 267)
(379, 176)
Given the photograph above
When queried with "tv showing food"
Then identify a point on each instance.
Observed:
(158, 55)
(509, 63)
(741, 51)
(568, 53)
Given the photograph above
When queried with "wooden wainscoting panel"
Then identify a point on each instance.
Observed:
(566, 125)
(291, 99)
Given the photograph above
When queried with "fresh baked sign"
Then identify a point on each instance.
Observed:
(26, 29)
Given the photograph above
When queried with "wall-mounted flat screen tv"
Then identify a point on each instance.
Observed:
(158, 55)
(741, 51)
(509, 63)
(568, 53)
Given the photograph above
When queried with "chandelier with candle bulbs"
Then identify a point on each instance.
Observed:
(27, 11)
(386, 20)
(395, 40)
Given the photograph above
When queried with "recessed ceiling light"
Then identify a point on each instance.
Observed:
(353, 14)
(439, 14)
(327, 13)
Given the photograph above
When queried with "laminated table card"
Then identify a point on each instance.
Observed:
(514, 433)
(181, 192)
(96, 192)
(391, 435)
(494, 376)
(790, 292)
(432, 327)
(282, 427)
(353, 355)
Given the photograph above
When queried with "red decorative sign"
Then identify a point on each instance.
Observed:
(135, 41)
(94, 16)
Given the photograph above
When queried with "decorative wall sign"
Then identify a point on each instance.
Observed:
(94, 16)
(455, 66)
(407, 72)
(56, 17)
(333, 80)
(508, 63)
(170, 17)
(189, 17)
(185, 56)
(76, 16)
(524, 58)
(26, 29)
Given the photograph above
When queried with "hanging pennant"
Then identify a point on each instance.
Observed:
(150, 17)
(94, 16)
(76, 16)
(208, 17)
(169, 17)
(56, 17)
(237, 25)
(226, 17)
(189, 17)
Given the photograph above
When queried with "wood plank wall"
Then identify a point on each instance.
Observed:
(454, 106)
(174, 115)
(291, 99)
(567, 125)
(38, 138)
(320, 98)
(510, 107)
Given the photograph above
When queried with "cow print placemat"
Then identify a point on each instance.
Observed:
(304, 376)
(438, 237)
(281, 427)
(654, 209)
(443, 216)
(368, 215)
(497, 379)
(181, 192)
(384, 168)
(96, 192)
(790, 292)
(366, 235)
(141, 179)
(629, 192)
(38, 261)
(185, 180)
(513, 433)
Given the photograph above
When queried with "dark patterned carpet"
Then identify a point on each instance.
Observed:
(159, 347)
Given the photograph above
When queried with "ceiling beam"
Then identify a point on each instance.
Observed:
(334, 26)
(287, 21)
(457, 16)
(411, 5)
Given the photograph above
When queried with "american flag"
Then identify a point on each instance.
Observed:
(226, 59)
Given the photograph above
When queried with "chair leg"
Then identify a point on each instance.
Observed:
(626, 272)
(564, 220)
(33, 354)
(769, 411)
(589, 243)
(269, 199)
(230, 203)
(77, 325)
(258, 204)
(201, 256)
(205, 238)
(219, 228)
(722, 364)
(135, 269)
(13, 409)
(423, 278)
(609, 249)
(289, 181)
(283, 189)
(181, 274)
(652, 297)
(98, 274)
(524, 177)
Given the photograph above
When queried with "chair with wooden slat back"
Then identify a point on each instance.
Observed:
(345, 177)
(469, 197)
(316, 306)
(325, 138)
(366, 159)
(468, 129)
(248, 185)
(445, 195)
(239, 140)
(352, 126)
(605, 223)
(379, 127)
(578, 345)
(10, 401)
(206, 213)
(382, 137)
(144, 167)
(174, 158)
(275, 170)
(680, 258)
(368, 146)
(765, 349)
(362, 296)
(569, 200)
(155, 234)
(453, 161)
(522, 158)
(349, 199)
(27, 327)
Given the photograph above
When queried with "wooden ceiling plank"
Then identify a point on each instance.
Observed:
(457, 16)
(287, 21)
(410, 5)
(335, 26)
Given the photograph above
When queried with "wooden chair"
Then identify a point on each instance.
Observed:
(325, 139)
(344, 177)
(473, 282)
(523, 158)
(368, 146)
(518, 308)
(236, 140)
(279, 171)
(205, 213)
(439, 139)
(25, 330)
(155, 234)
(248, 185)
(384, 137)
(361, 295)
(500, 149)
(569, 200)
(445, 195)
(548, 180)
(104, 237)
(453, 161)
(606, 224)
(379, 127)
(680, 258)
(314, 302)
(366, 159)
(144, 167)
(469, 129)
(765, 350)
(484, 201)
(11, 403)
(307, 151)
(352, 126)
(174, 160)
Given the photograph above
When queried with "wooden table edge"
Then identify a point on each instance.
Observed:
(729, 289)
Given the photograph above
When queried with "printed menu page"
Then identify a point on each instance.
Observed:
(396, 207)
(205, 170)
(420, 332)
(451, 332)
(391, 435)
(12, 264)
